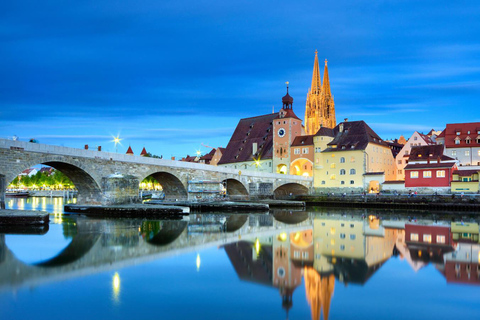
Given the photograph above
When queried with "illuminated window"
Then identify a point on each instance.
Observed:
(332, 242)
(342, 160)
(414, 174)
(414, 237)
(427, 174)
(333, 177)
(441, 174)
(467, 153)
(440, 239)
(332, 166)
(332, 230)
(352, 159)
(454, 152)
(427, 238)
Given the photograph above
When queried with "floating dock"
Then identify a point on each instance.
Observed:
(128, 211)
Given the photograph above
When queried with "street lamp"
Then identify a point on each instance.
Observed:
(117, 141)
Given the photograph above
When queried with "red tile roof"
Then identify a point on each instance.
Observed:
(248, 131)
(463, 130)
(129, 151)
(144, 152)
(430, 165)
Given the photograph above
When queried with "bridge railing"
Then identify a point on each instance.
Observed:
(110, 156)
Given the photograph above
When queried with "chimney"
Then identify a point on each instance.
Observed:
(99, 148)
(254, 148)
(438, 159)
(86, 147)
(345, 120)
(173, 158)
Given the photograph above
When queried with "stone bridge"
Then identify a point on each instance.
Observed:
(111, 178)
(101, 245)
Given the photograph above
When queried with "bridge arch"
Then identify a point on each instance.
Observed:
(288, 189)
(235, 188)
(87, 183)
(162, 233)
(172, 185)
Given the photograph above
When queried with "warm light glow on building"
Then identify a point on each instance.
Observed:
(282, 236)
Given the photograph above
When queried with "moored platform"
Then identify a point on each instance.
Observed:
(128, 211)
(212, 206)
(23, 217)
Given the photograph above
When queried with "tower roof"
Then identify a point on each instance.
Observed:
(130, 151)
(144, 152)
(287, 100)
(316, 87)
(326, 81)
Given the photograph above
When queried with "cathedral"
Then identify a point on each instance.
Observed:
(320, 108)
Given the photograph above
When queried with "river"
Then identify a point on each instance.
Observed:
(316, 264)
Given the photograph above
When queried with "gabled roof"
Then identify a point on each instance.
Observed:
(461, 131)
(324, 131)
(303, 141)
(248, 131)
(433, 152)
(356, 135)
(465, 173)
(434, 165)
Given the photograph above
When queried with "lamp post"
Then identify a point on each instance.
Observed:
(117, 141)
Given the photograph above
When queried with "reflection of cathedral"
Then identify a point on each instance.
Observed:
(319, 292)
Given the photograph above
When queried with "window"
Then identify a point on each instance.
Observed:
(318, 150)
(399, 161)
(342, 247)
(414, 237)
(427, 238)
(466, 179)
(468, 140)
(399, 171)
(427, 174)
(415, 138)
(332, 166)
(352, 159)
(353, 171)
(342, 182)
(352, 237)
(305, 150)
(323, 181)
(352, 225)
(457, 141)
(406, 152)
(441, 174)
(296, 151)
(454, 152)
(342, 235)
(342, 172)
(458, 133)
(440, 239)
(333, 177)
(352, 182)
(467, 153)
(414, 174)
(342, 160)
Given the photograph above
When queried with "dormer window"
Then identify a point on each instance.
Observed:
(343, 147)
(468, 132)
(468, 140)
(458, 133)
(457, 140)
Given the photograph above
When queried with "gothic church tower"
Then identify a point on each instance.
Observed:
(320, 107)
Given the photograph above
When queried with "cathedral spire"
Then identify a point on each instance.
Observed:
(326, 81)
(316, 84)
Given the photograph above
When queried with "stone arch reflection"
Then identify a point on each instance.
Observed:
(161, 233)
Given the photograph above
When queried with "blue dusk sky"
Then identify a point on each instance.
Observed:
(171, 75)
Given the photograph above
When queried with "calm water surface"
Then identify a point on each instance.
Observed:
(296, 265)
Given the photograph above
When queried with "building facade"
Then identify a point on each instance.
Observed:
(320, 107)
(462, 142)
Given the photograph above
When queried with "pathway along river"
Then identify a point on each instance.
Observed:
(320, 264)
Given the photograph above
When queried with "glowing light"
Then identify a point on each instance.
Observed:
(116, 286)
(257, 247)
(198, 261)
(116, 140)
(297, 237)
(282, 236)
(479, 257)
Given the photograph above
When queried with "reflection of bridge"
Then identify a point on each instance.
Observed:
(101, 245)
(90, 170)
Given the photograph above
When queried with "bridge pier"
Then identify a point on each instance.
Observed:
(120, 189)
(3, 187)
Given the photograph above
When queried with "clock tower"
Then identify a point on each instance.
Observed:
(285, 128)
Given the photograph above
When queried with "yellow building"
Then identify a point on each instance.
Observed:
(353, 157)
(320, 107)
(465, 181)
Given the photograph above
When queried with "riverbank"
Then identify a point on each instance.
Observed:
(466, 203)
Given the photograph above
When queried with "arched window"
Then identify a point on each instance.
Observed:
(342, 160)
(352, 171)
(342, 172)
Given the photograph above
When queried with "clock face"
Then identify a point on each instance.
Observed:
(281, 132)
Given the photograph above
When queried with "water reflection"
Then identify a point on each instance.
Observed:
(325, 252)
